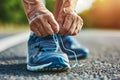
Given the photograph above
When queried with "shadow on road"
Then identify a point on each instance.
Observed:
(16, 66)
(12, 58)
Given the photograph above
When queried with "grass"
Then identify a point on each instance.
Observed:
(13, 28)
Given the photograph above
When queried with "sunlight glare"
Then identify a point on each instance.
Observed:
(83, 5)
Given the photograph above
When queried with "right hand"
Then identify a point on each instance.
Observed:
(42, 22)
(69, 22)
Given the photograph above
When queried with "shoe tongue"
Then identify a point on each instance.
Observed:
(70, 42)
(47, 44)
(68, 39)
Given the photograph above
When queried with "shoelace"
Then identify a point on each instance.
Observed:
(48, 48)
(57, 43)
(45, 47)
(55, 38)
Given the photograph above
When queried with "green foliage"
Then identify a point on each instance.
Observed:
(11, 11)
(50, 4)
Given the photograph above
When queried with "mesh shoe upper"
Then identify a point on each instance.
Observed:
(70, 43)
(45, 51)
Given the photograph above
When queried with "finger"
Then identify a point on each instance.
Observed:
(80, 21)
(33, 28)
(72, 28)
(40, 28)
(79, 25)
(67, 23)
(54, 24)
(36, 31)
(77, 30)
(47, 27)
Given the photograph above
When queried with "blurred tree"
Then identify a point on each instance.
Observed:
(12, 11)
(103, 14)
(50, 4)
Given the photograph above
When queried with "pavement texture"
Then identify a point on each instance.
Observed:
(103, 62)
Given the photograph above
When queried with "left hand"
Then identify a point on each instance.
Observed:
(70, 23)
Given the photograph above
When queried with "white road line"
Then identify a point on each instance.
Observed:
(11, 41)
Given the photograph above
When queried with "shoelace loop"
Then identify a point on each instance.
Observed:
(55, 37)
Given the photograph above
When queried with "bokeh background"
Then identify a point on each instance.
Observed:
(97, 14)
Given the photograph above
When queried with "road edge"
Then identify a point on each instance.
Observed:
(11, 41)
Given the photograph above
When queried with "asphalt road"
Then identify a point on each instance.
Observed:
(103, 62)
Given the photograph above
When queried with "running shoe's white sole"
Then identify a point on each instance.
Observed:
(37, 68)
(44, 67)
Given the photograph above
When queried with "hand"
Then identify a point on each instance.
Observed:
(42, 23)
(70, 23)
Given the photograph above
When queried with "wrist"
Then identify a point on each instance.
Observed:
(37, 10)
(63, 5)
(69, 3)
(33, 7)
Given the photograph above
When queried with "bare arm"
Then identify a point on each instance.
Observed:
(67, 18)
(41, 21)
(30, 6)
(64, 4)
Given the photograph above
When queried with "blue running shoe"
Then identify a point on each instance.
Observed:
(43, 55)
(70, 43)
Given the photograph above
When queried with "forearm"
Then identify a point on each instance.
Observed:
(69, 3)
(30, 7)
(60, 4)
